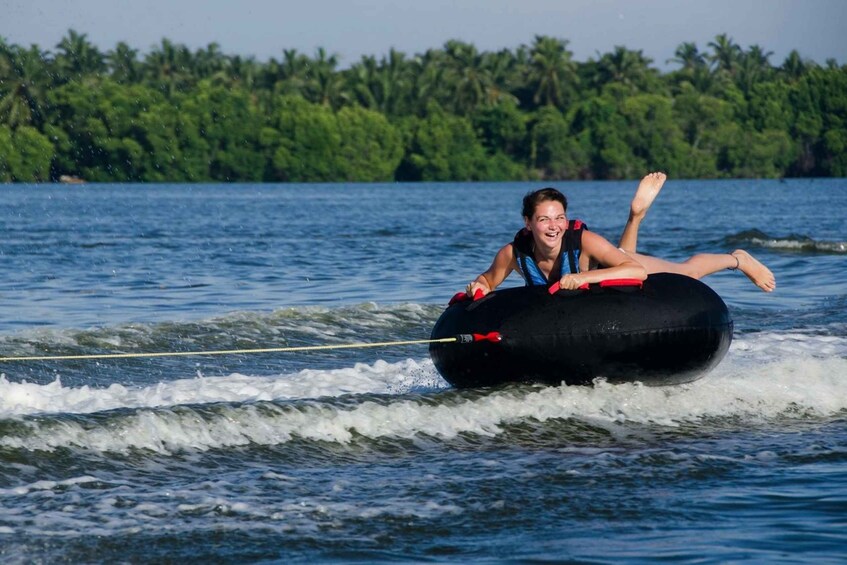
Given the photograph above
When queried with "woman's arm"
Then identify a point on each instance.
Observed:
(616, 264)
(503, 264)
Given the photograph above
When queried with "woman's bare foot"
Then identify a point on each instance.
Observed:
(755, 271)
(646, 192)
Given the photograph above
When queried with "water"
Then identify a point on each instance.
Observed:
(367, 454)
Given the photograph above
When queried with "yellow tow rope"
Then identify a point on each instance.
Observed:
(225, 351)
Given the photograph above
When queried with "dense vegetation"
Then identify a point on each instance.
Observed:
(449, 114)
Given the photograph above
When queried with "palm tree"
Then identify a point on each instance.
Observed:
(210, 62)
(753, 67)
(624, 66)
(469, 79)
(380, 86)
(689, 57)
(24, 82)
(695, 69)
(78, 57)
(794, 66)
(123, 63)
(552, 73)
(396, 79)
(505, 75)
(241, 71)
(169, 67)
(326, 85)
(725, 54)
(429, 81)
(363, 80)
(293, 73)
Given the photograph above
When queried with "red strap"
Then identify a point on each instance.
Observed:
(458, 297)
(621, 282)
(462, 296)
(554, 288)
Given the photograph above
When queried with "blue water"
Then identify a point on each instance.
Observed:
(367, 454)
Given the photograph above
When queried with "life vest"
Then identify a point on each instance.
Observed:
(571, 250)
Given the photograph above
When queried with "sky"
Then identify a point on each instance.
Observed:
(353, 28)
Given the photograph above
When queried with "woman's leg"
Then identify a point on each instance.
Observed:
(697, 266)
(646, 192)
(704, 264)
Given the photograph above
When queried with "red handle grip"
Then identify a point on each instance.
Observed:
(554, 288)
(462, 296)
(603, 284)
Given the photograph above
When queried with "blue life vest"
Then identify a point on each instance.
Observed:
(571, 250)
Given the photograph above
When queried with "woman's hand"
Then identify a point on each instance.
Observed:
(571, 282)
(477, 284)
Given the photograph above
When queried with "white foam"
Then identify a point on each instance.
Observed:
(802, 245)
(765, 376)
(47, 485)
(769, 346)
(380, 378)
(109, 509)
(794, 388)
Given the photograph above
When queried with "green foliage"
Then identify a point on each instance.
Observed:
(820, 100)
(651, 132)
(444, 147)
(751, 154)
(228, 124)
(455, 113)
(370, 148)
(502, 128)
(25, 155)
(304, 143)
(311, 143)
(558, 154)
(601, 125)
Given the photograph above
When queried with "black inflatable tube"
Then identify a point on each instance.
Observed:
(671, 331)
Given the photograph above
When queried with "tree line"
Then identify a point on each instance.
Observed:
(454, 113)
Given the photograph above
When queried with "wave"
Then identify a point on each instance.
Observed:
(289, 326)
(237, 331)
(24, 398)
(776, 376)
(793, 389)
(21, 398)
(791, 243)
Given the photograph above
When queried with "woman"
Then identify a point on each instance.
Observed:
(550, 249)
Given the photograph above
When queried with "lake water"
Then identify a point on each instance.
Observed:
(367, 454)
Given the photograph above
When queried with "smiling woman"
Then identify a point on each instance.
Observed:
(550, 248)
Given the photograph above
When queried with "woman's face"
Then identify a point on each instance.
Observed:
(548, 224)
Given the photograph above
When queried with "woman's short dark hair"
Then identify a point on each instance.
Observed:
(533, 199)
